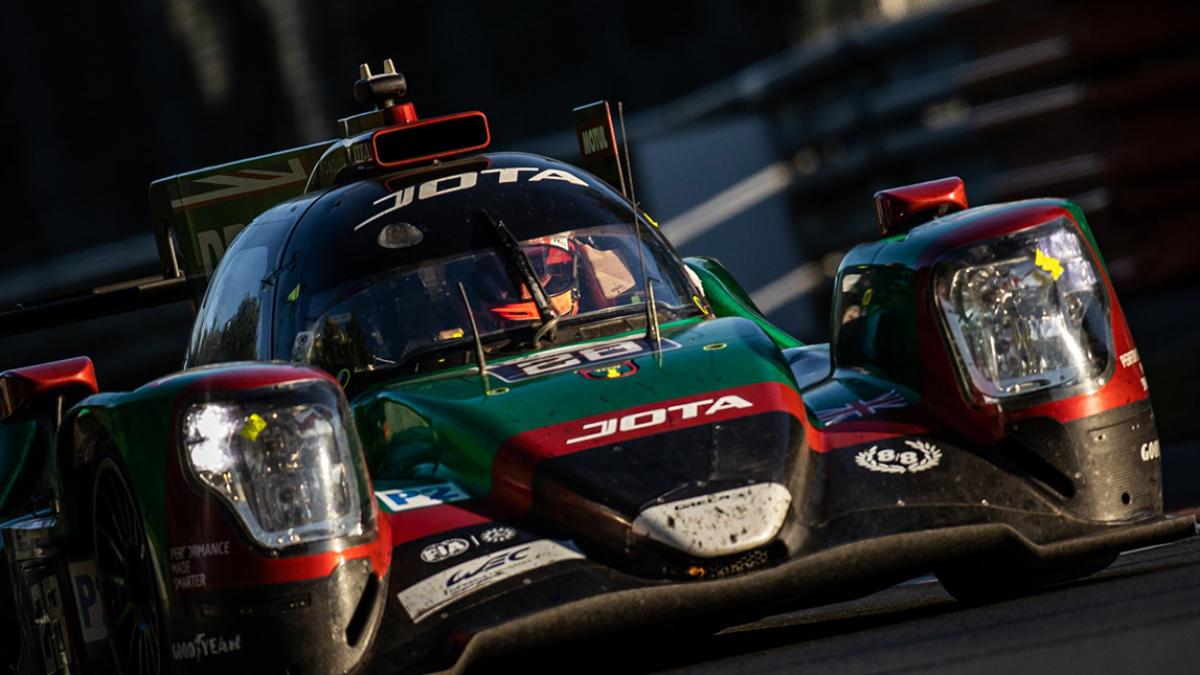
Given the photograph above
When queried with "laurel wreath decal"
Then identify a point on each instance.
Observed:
(924, 455)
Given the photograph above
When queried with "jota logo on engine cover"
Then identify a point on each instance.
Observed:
(654, 417)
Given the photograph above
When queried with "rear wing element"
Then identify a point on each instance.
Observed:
(197, 214)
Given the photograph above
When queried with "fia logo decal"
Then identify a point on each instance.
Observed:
(610, 372)
(853, 409)
(444, 550)
(923, 456)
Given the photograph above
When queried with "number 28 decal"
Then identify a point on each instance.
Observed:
(571, 359)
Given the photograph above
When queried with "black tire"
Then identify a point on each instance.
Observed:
(129, 588)
(983, 580)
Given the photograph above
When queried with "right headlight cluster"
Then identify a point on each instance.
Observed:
(283, 461)
(1025, 313)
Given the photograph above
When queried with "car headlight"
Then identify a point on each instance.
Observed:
(1026, 312)
(282, 461)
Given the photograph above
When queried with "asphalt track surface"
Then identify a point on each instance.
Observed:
(1141, 615)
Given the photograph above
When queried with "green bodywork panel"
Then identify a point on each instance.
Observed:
(727, 298)
(444, 427)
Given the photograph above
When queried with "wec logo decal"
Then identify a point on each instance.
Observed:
(443, 588)
(658, 416)
(497, 561)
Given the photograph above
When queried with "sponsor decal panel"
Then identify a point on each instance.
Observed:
(87, 600)
(183, 575)
(719, 523)
(497, 535)
(449, 585)
(832, 416)
(454, 547)
(921, 456)
(1132, 357)
(49, 626)
(403, 499)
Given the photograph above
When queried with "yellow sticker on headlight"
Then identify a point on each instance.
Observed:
(253, 427)
(1048, 263)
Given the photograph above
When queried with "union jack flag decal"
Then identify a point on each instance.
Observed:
(861, 408)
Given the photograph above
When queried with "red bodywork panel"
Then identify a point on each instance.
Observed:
(22, 386)
(895, 207)
(518, 458)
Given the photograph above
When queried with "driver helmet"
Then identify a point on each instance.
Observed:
(555, 262)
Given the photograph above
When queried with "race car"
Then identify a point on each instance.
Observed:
(441, 403)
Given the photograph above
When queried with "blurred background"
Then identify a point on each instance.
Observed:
(759, 132)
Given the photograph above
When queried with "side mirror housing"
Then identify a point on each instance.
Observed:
(22, 388)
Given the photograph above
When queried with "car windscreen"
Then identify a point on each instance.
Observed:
(385, 320)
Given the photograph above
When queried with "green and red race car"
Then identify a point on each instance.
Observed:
(441, 403)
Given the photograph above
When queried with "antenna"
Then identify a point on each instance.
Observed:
(652, 332)
(480, 359)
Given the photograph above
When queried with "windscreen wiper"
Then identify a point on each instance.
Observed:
(519, 267)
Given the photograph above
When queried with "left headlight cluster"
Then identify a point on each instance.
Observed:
(1026, 312)
(282, 461)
